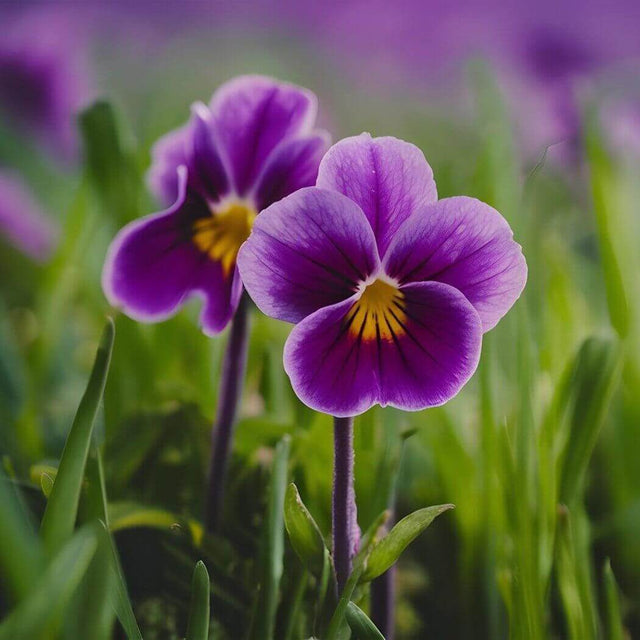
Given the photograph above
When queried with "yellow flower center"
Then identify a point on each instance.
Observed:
(379, 313)
(221, 235)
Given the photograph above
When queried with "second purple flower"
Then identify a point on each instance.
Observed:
(253, 145)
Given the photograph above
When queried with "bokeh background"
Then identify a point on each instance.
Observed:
(532, 107)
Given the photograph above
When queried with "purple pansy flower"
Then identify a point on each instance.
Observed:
(254, 144)
(391, 288)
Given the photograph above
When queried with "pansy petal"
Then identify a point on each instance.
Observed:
(389, 178)
(167, 154)
(328, 371)
(309, 250)
(153, 266)
(292, 166)
(464, 243)
(435, 353)
(424, 361)
(252, 115)
(207, 173)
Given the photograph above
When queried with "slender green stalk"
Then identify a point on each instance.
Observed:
(62, 507)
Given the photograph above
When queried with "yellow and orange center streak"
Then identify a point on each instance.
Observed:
(378, 313)
(221, 235)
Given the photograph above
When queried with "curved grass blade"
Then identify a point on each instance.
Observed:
(608, 228)
(121, 601)
(198, 626)
(62, 507)
(95, 615)
(361, 625)
(594, 381)
(614, 629)
(39, 613)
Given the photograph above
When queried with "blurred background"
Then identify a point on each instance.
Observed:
(532, 107)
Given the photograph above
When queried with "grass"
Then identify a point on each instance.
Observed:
(538, 453)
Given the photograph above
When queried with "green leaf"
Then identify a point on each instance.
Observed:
(361, 625)
(198, 627)
(51, 592)
(386, 552)
(109, 160)
(614, 629)
(303, 531)
(595, 378)
(62, 508)
(263, 624)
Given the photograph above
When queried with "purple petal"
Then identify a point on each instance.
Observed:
(292, 166)
(387, 177)
(466, 244)
(252, 115)
(153, 266)
(167, 154)
(431, 354)
(194, 145)
(207, 173)
(307, 251)
(22, 221)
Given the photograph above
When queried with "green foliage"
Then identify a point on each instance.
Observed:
(538, 452)
(109, 161)
(198, 628)
(361, 625)
(62, 507)
(40, 612)
(304, 534)
(273, 546)
(386, 551)
(613, 618)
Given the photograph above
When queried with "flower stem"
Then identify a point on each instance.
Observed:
(346, 535)
(230, 390)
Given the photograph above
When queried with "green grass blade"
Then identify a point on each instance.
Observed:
(273, 549)
(573, 571)
(614, 629)
(361, 625)
(40, 612)
(120, 596)
(198, 627)
(95, 614)
(62, 507)
(595, 379)
(21, 556)
(110, 162)
(611, 232)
